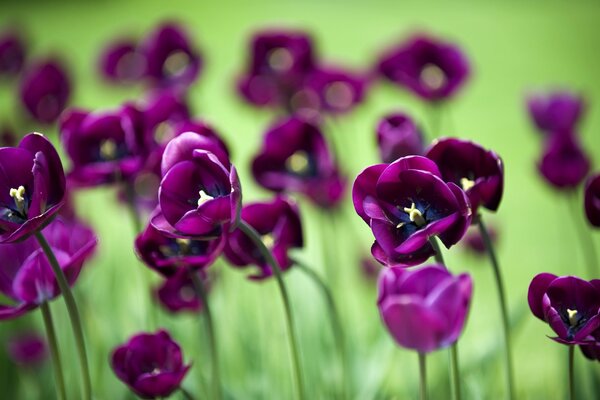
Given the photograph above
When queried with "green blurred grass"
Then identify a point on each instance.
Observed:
(513, 47)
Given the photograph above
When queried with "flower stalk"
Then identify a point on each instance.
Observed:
(422, 377)
(54, 353)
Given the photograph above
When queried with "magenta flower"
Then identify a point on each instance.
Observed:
(12, 53)
(122, 62)
(45, 90)
(160, 109)
(278, 222)
(28, 349)
(177, 293)
(478, 171)
(296, 159)
(556, 111)
(592, 200)
(570, 305)
(591, 350)
(32, 187)
(27, 278)
(405, 203)
(431, 69)
(564, 164)
(424, 309)
(398, 136)
(150, 364)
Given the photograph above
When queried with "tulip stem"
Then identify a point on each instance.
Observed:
(73, 314)
(587, 243)
(571, 373)
(54, 354)
(439, 257)
(336, 323)
(503, 307)
(186, 394)
(210, 331)
(255, 237)
(423, 377)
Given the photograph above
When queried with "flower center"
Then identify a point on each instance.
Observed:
(19, 196)
(415, 215)
(574, 317)
(466, 183)
(184, 245)
(339, 95)
(176, 63)
(108, 150)
(432, 76)
(204, 197)
(280, 60)
(268, 240)
(298, 162)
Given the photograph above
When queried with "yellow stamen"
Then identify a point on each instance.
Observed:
(298, 162)
(400, 225)
(204, 197)
(433, 76)
(339, 95)
(184, 244)
(268, 240)
(19, 196)
(415, 215)
(176, 63)
(466, 183)
(573, 317)
(108, 150)
(280, 59)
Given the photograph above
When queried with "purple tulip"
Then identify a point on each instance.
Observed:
(32, 187)
(370, 269)
(27, 349)
(12, 54)
(122, 62)
(160, 110)
(592, 350)
(295, 158)
(177, 293)
(279, 63)
(278, 222)
(45, 90)
(406, 203)
(564, 164)
(27, 278)
(398, 136)
(570, 305)
(478, 171)
(424, 309)
(592, 200)
(429, 68)
(171, 59)
(104, 147)
(556, 111)
(150, 364)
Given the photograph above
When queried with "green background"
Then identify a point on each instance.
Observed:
(514, 47)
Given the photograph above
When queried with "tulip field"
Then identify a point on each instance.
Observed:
(299, 200)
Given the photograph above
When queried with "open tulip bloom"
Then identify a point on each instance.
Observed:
(556, 112)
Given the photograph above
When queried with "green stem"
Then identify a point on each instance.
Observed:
(186, 394)
(585, 238)
(439, 257)
(435, 119)
(336, 323)
(503, 307)
(54, 354)
(255, 237)
(571, 373)
(210, 331)
(73, 314)
(422, 377)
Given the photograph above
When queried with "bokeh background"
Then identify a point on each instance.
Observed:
(514, 47)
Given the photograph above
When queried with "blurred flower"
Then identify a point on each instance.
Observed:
(26, 276)
(171, 59)
(12, 53)
(405, 203)
(592, 350)
(278, 222)
(424, 309)
(166, 255)
(177, 293)
(479, 172)
(150, 364)
(431, 69)
(160, 109)
(104, 147)
(556, 111)
(45, 90)
(32, 187)
(570, 305)
(27, 349)
(474, 241)
(122, 62)
(370, 268)
(398, 136)
(564, 163)
(592, 200)
(295, 158)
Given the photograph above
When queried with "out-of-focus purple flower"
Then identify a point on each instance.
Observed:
(26, 277)
(166, 255)
(570, 305)
(177, 293)
(424, 309)
(295, 158)
(279, 62)
(398, 136)
(160, 110)
(564, 164)
(12, 53)
(32, 187)
(122, 62)
(592, 350)
(278, 222)
(407, 202)
(479, 172)
(369, 267)
(104, 147)
(171, 58)
(474, 241)
(556, 111)
(27, 349)
(431, 69)
(150, 364)
(45, 90)
(592, 200)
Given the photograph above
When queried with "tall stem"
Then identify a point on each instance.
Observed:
(585, 238)
(571, 373)
(73, 314)
(54, 353)
(439, 257)
(503, 308)
(422, 377)
(336, 323)
(210, 331)
(255, 237)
